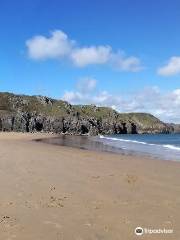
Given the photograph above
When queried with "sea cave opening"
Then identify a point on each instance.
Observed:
(38, 126)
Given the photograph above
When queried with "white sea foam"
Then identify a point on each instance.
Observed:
(172, 147)
(125, 140)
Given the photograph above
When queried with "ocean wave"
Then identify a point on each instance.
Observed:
(172, 147)
(125, 140)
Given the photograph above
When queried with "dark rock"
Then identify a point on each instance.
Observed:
(133, 128)
(124, 129)
(22, 113)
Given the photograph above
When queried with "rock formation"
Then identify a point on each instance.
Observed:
(23, 113)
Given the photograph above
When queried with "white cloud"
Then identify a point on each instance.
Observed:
(123, 63)
(172, 67)
(164, 105)
(73, 97)
(59, 46)
(86, 84)
(56, 46)
(91, 55)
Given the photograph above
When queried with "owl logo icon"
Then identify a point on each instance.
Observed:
(139, 231)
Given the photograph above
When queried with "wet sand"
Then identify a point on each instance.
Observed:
(56, 192)
(81, 142)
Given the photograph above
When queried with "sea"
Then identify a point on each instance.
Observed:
(162, 146)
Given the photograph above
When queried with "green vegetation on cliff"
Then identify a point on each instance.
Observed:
(60, 116)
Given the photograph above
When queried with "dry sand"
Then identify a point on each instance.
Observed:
(50, 192)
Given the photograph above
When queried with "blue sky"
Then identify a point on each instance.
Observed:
(124, 53)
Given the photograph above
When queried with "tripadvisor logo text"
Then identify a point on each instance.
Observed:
(140, 231)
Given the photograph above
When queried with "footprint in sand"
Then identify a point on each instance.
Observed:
(55, 201)
(8, 221)
(52, 189)
(96, 177)
(28, 204)
(4, 219)
(131, 179)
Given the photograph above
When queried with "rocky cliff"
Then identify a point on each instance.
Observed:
(37, 113)
(175, 127)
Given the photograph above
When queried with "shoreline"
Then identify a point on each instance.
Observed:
(92, 143)
(58, 192)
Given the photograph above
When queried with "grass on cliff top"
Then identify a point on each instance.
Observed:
(10, 103)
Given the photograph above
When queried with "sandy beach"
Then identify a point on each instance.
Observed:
(50, 192)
